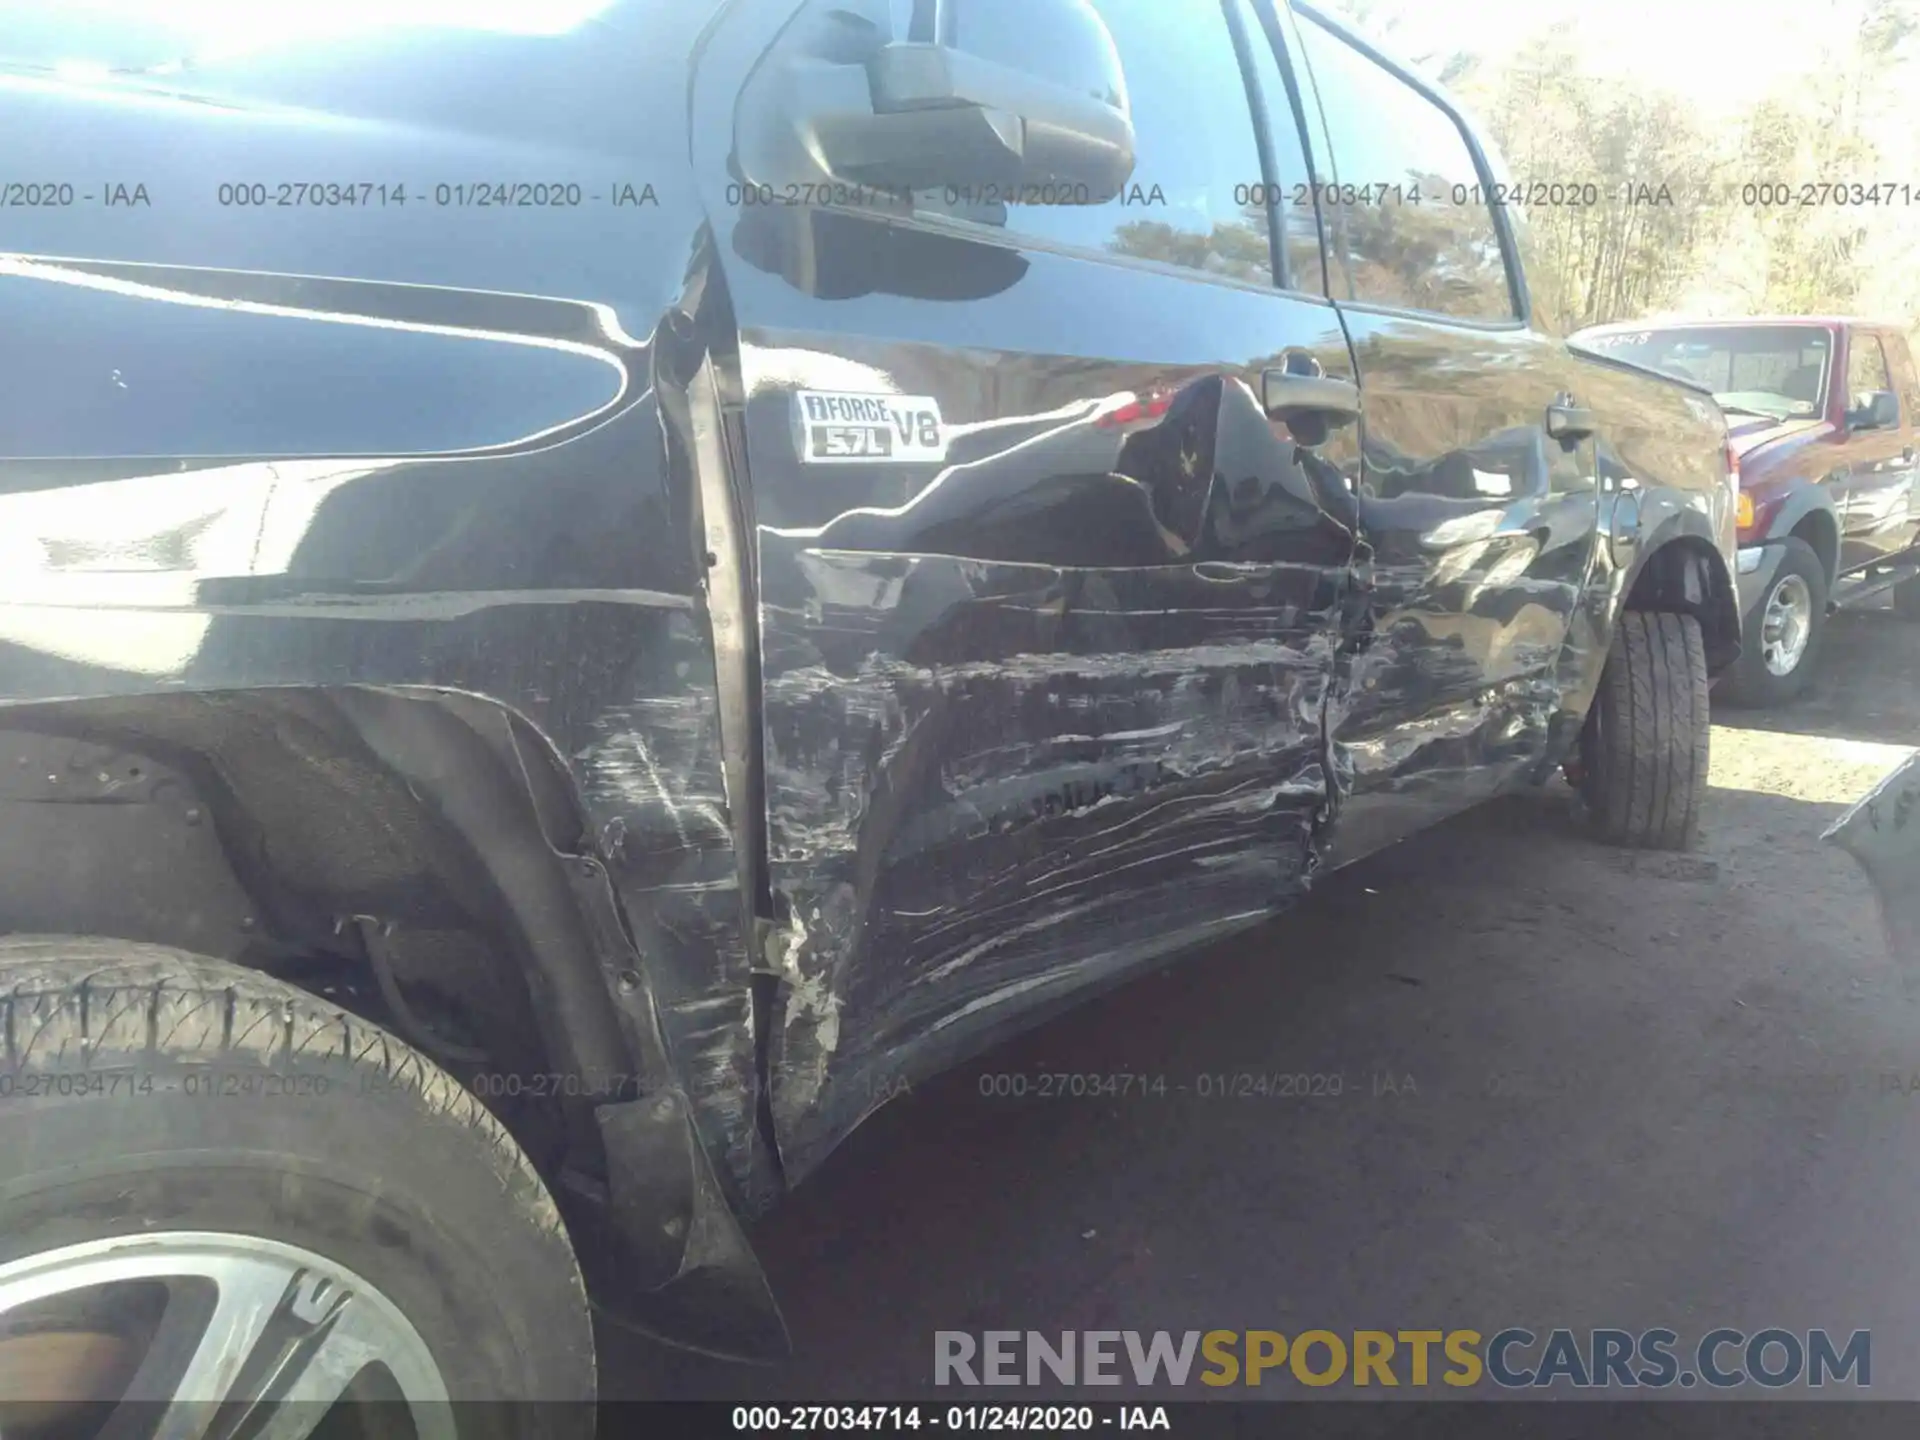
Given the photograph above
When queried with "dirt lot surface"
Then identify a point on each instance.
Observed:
(1577, 1087)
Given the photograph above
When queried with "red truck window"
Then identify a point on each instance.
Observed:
(1866, 369)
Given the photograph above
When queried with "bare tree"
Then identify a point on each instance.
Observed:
(1644, 201)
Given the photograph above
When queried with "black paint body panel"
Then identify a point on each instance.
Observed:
(1114, 675)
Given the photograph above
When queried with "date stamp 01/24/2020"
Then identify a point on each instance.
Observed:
(1762, 193)
(216, 1082)
(23, 1082)
(344, 196)
(1156, 1086)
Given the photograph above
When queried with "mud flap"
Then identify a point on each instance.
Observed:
(1882, 832)
(673, 1261)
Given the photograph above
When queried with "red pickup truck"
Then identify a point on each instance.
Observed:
(1824, 416)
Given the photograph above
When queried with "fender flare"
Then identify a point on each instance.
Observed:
(1679, 566)
(1802, 500)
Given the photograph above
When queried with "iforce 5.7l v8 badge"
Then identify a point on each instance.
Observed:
(841, 428)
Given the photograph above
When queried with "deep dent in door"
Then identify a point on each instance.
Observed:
(991, 782)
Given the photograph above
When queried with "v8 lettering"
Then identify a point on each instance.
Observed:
(919, 427)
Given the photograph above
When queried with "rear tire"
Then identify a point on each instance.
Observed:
(1799, 586)
(1644, 750)
(219, 1123)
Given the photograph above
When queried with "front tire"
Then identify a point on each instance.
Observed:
(1644, 750)
(1783, 635)
(217, 1189)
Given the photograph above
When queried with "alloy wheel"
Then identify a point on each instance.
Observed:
(194, 1335)
(1786, 624)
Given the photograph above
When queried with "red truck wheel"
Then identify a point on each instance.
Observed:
(1780, 643)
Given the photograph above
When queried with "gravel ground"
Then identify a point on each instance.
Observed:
(1578, 1087)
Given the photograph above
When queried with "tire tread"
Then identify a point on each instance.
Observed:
(79, 1003)
(1647, 744)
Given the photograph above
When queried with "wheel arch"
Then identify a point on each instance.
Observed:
(1820, 528)
(327, 834)
(325, 810)
(1684, 573)
(1807, 511)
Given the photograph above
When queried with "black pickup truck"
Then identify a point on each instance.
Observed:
(1825, 417)
(593, 587)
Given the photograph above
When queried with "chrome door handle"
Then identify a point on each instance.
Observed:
(1287, 395)
(1569, 423)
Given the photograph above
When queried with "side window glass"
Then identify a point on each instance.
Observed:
(1194, 199)
(1419, 232)
(1866, 370)
(1905, 381)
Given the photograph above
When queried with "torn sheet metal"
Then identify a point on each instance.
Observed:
(652, 776)
(958, 835)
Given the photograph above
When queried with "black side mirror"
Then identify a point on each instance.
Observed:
(1880, 412)
(838, 100)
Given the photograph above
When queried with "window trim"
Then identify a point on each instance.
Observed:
(1268, 15)
(1233, 12)
(1518, 295)
(1906, 381)
(930, 22)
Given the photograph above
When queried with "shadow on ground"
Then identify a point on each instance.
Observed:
(1867, 686)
